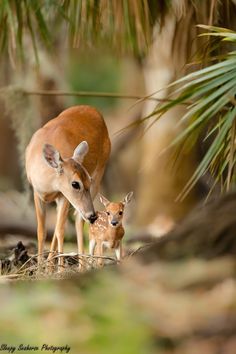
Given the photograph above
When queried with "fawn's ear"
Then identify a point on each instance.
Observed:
(128, 198)
(104, 200)
(52, 156)
(80, 151)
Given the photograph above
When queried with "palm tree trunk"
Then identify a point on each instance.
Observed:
(160, 180)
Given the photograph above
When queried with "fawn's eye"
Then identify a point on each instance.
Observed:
(121, 212)
(75, 185)
(108, 213)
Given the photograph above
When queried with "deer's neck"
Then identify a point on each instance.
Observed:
(115, 231)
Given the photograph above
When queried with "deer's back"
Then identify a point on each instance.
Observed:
(65, 132)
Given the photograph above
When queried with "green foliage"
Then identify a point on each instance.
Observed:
(83, 75)
(209, 95)
(19, 19)
(90, 317)
(123, 25)
(138, 308)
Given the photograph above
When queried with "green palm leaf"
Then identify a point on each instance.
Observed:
(209, 94)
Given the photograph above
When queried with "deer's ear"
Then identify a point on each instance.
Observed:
(128, 198)
(80, 151)
(104, 200)
(52, 156)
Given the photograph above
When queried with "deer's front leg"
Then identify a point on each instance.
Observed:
(99, 250)
(79, 225)
(40, 210)
(53, 247)
(118, 252)
(92, 244)
(62, 211)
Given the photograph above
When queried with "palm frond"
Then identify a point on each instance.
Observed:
(19, 19)
(225, 33)
(210, 97)
(124, 25)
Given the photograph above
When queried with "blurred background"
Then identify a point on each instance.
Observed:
(84, 47)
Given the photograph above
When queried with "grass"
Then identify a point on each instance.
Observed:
(89, 313)
(160, 308)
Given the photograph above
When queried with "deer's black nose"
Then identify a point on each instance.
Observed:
(114, 223)
(92, 218)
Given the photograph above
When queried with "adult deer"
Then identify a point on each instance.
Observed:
(65, 161)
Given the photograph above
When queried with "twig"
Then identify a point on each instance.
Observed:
(73, 254)
(140, 248)
(23, 265)
(91, 94)
(10, 276)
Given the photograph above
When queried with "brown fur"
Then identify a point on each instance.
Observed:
(103, 231)
(108, 230)
(65, 133)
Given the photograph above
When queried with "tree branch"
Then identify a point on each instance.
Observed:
(91, 94)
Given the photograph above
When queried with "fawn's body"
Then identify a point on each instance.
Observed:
(107, 230)
(62, 167)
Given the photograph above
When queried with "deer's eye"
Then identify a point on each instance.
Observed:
(108, 213)
(75, 185)
(121, 212)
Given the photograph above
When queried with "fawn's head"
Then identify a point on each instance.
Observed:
(73, 179)
(115, 210)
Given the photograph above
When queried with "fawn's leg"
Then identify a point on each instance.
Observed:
(40, 210)
(62, 212)
(118, 252)
(99, 252)
(92, 244)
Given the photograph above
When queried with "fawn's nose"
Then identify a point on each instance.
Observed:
(93, 217)
(114, 223)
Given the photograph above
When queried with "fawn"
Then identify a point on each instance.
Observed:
(107, 230)
(65, 161)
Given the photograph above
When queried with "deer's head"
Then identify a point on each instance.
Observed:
(73, 180)
(115, 210)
